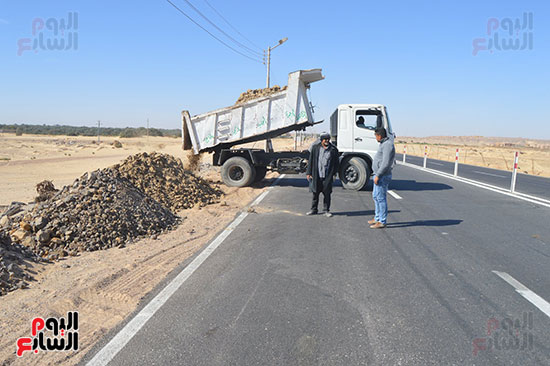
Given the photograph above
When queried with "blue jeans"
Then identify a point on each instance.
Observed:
(379, 192)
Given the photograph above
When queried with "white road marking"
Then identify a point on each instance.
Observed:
(491, 174)
(533, 298)
(110, 350)
(524, 197)
(532, 197)
(395, 195)
(433, 162)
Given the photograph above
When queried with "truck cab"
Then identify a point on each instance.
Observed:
(352, 128)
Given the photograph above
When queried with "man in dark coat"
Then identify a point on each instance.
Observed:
(321, 168)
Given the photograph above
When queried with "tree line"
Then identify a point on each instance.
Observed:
(20, 129)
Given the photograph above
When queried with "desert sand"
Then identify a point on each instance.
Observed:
(491, 152)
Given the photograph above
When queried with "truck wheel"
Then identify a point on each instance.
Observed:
(261, 171)
(354, 174)
(238, 172)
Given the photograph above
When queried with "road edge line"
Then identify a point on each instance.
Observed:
(117, 343)
(480, 185)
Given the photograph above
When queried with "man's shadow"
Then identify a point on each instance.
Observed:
(423, 223)
(412, 185)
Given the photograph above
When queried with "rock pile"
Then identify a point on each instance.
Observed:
(252, 94)
(13, 269)
(99, 210)
(103, 209)
(163, 177)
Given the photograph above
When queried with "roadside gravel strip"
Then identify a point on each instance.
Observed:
(521, 196)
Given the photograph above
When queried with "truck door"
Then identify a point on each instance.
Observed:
(365, 122)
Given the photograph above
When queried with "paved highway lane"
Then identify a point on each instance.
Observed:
(525, 183)
(290, 289)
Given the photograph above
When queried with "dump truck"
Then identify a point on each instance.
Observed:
(220, 131)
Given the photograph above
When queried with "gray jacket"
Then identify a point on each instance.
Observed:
(384, 158)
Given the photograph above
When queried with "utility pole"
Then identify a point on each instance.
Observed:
(98, 127)
(268, 58)
(147, 128)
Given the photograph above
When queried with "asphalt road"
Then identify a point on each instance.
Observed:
(290, 289)
(525, 183)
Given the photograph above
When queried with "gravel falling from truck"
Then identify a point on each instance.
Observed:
(193, 161)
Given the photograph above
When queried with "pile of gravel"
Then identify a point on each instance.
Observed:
(99, 210)
(13, 265)
(163, 177)
(252, 94)
(106, 208)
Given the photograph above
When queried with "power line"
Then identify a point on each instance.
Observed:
(221, 30)
(235, 29)
(213, 36)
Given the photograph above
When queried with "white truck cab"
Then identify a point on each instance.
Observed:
(352, 129)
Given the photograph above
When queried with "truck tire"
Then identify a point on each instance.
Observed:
(238, 172)
(261, 171)
(354, 174)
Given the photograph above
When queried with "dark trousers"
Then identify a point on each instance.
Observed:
(326, 197)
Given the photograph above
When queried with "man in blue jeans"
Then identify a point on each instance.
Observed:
(381, 167)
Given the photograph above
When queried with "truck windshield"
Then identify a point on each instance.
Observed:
(368, 119)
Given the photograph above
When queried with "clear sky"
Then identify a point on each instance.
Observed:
(143, 59)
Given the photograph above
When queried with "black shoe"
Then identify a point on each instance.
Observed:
(312, 212)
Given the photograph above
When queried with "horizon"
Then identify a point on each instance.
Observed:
(307, 132)
(432, 64)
